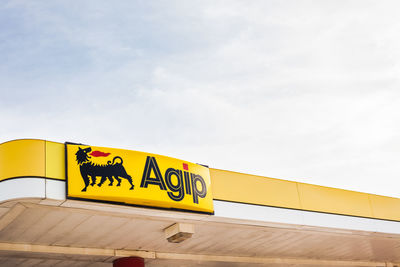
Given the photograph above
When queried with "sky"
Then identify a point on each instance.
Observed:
(305, 91)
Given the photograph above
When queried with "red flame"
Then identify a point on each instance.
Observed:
(99, 154)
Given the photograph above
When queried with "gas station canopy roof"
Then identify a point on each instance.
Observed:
(252, 220)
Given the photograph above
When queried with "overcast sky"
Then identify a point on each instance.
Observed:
(305, 91)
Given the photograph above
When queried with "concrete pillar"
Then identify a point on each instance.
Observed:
(129, 262)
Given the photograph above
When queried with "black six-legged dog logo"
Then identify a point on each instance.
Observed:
(111, 169)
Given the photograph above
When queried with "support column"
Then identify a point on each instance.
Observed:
(129, 262)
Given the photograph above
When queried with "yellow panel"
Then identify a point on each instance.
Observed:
(55, 160)
(20, 158)
(385, 207)
(39, 158)
(246, 188)
(332, 200)
(138, 178)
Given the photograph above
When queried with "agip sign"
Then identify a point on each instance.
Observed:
(138, 178)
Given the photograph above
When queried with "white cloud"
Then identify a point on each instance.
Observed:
(301, 90)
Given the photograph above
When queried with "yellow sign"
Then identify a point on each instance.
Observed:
(137, 178)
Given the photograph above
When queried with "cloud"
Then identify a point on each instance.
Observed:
(301, 90)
